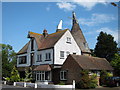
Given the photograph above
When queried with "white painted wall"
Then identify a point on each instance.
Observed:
(61, 45)
(43, 53)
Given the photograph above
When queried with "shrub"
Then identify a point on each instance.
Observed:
(103, 75)
(93, 81)
(86, 82)
(14, 75)
(28, 75)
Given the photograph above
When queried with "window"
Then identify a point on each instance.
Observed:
(67, 53)
(68, 40)
(74, 53)
(39, 58)
(32, 44)
(48, 56)
(61, 54)
(63, 75)
(23, 60)
(43, 75)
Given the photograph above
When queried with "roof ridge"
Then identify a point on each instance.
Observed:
(35, 33)
(58, 32)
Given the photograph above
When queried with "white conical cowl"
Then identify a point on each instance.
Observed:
(60, 25)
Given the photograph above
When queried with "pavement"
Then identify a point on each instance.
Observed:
(98, 88)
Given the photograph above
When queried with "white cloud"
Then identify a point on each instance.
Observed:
(96, 19)
(66, 6)
(89, 4)
(114, 33)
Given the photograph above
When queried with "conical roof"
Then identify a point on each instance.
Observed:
(78, 36)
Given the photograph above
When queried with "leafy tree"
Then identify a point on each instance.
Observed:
(8, 59)
(92, 52)
(116, 64)
(14, 75)
(103, 75)
(106, 47)
(86, 81)
(28, 75)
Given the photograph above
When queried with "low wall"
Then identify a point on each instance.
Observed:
(39, 85)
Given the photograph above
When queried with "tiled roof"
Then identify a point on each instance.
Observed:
(43, 42)
(24, 49)
(91, 63)
(43, 68)
(79, 38)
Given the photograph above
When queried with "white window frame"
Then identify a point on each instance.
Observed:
(39, 58)
(47, 56)
(62, 54)
(42, 75)
(62, 75)
(68, 40)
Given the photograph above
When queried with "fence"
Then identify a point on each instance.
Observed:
(39, 85)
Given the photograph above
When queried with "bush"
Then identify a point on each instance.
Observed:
(86, 82)
(28, 75)
(103, 75)
(93, 81)
(14, 75)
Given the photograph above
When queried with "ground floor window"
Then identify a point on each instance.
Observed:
(43, 76)
(63, 75)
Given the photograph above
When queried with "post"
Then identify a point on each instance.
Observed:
(5, 82)
(35, 85)
(24, 84)
(73, 84)
(14, 84)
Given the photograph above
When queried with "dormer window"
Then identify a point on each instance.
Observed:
(68, 40)
(32, 44)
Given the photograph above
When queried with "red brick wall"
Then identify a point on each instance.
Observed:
(73, 70)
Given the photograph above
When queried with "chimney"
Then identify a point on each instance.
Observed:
(45, 33)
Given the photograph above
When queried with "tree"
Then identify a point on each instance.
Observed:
(116, 64)
(106, 47)
(86, 81)
(8, 59)
(14, 75)
(28, 75)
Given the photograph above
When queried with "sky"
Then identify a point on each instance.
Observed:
(18, 18)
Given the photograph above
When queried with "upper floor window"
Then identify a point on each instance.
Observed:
(63, 75)
(48, 56)
(68, 40)
(23, 60)
(39, 58)
(61, 54)
(67, 53)
(32, 44)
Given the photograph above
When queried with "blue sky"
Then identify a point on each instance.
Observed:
(20, 17)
